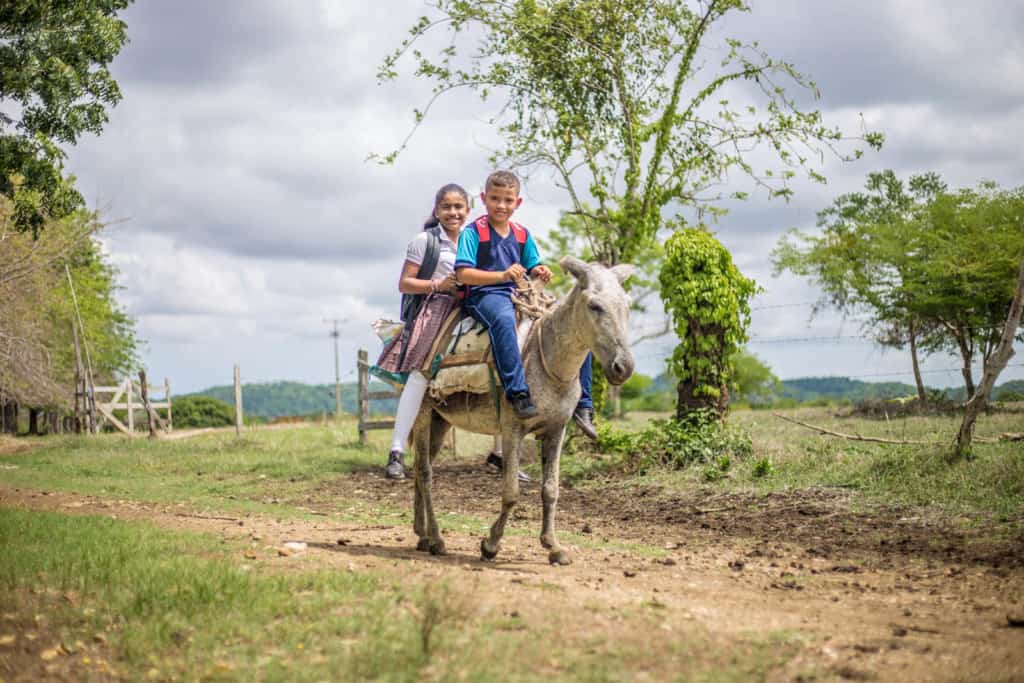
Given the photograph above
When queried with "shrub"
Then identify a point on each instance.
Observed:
(699, 438)
(202, 411)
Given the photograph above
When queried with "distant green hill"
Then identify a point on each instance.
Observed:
(277, 399)
(810, 388)
(843, 388)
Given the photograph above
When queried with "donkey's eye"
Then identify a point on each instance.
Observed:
(596, 308)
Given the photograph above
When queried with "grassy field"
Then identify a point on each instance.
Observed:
(124, 598)
(788, 457)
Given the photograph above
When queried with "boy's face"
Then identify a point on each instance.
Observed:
(500, 202)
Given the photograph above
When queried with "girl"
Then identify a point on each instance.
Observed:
(406, 353)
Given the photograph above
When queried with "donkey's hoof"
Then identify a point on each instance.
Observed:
(485, 553)
(437, 548)
(424, 545)
(559, 557)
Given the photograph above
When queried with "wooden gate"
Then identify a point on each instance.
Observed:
(127, 396)
(365, 396)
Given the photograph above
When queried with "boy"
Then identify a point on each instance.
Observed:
(493, 253)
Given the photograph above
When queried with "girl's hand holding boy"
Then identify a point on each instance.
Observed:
(448, 284)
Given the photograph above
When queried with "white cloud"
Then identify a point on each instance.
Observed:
(238, 157)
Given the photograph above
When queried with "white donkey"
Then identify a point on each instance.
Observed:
(592, 318)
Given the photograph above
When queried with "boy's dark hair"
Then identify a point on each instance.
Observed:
(502, 179)
(432, 220)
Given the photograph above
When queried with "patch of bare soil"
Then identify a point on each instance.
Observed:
(11, 446)
(878, 594)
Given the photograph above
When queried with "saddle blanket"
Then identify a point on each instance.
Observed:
(466, 363)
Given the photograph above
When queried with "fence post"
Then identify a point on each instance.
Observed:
(150, 415)
(238, 401)
(131, 405)
(363, 365)
(167, 390)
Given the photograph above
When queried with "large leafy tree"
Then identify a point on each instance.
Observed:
(970, 245)
(37, 310)
(860, 257)
(635, 106)
(625, 101)
(54, 59)
(931, 268)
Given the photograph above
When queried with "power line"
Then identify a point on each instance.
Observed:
(793, 340)
(764, 308)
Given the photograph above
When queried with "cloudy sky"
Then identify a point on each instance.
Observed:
(245, 214)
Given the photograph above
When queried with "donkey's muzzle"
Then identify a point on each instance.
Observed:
(620, 369)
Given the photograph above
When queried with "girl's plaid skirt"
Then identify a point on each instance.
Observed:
(420, 338)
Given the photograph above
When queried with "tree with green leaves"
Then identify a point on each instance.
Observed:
(623, 102)
(752, 380)
(37, 310)
(969, 245)
(709, 301)
(861, 257)
(54, 59)
(931, 268)
(633, 105)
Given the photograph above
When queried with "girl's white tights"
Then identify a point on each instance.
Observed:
(408, 408)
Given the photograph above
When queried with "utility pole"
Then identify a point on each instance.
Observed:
(337, 370)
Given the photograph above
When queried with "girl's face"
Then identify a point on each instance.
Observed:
(452, 211)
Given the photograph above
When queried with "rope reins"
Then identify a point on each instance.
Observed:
(536, 304)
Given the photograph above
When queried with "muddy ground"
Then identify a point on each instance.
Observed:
(865, 593)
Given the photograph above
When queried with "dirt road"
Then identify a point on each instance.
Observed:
(842, 593)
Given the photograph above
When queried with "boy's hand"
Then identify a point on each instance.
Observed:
(542, 272)
(513, 273)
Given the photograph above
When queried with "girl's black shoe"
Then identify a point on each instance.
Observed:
(396, 466)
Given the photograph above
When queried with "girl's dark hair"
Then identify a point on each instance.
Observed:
(432, 220)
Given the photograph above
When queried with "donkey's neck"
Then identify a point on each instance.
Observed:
(561, 346)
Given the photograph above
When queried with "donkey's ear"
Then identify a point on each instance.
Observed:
(576, 267)
(623, 271)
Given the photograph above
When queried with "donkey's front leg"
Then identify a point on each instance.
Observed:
(511, 442)
(551, 451)
(424, 521)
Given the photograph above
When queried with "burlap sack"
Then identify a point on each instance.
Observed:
(468, 366)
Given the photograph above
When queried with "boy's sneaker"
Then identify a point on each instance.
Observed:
(396, 466)
(584, 419)
(523, 405)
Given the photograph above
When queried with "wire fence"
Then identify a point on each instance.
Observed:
(840, 339)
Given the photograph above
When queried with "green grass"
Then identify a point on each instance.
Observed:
(216, 470)
(787, 457)
(174, 606)
(166, 603)
(992, 482)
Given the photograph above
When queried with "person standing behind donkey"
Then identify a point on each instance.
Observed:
(493, 253)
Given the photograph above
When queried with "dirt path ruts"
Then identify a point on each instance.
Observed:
(873, 595)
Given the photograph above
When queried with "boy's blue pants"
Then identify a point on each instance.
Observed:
(495, 310)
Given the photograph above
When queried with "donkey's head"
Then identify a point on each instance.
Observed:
(601, 314)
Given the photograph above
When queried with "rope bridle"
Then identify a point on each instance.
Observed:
(537, 305)
(540, 351)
